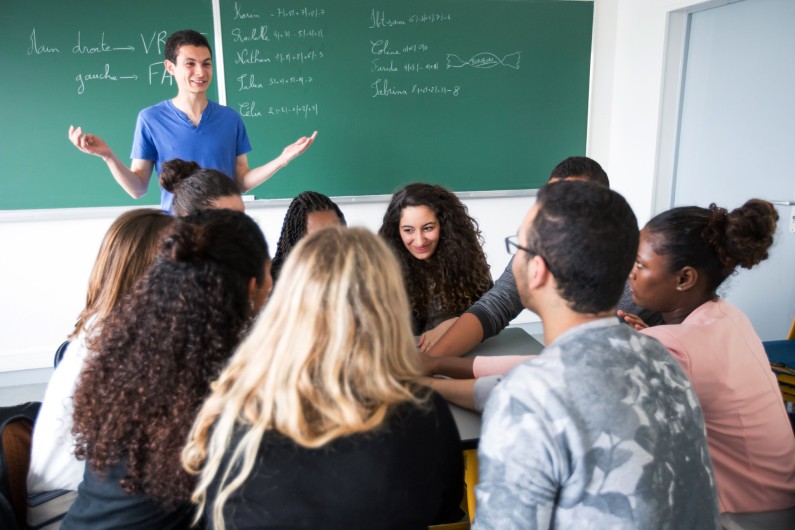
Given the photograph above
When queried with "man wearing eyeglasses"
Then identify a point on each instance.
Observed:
(602, 429)
(501, 304)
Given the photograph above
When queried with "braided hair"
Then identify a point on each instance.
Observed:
(294, 226)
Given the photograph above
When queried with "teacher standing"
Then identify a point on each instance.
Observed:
(189, 126)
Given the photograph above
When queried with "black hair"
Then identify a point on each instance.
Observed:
(588, 235)
(713, 241)
(184, 37)
(294, 225)
(582, 167)
(224, 238)
(195, 188)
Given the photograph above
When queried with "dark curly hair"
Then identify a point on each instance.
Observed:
(151, 365)
(457, 273)
(294, 225)
(195, 188)
(713, 240)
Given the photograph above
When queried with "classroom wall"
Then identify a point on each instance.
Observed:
(45, 263)
(43, 290)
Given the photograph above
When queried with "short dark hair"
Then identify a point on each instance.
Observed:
(184, 37)
(588, 236)
(713, 240)
(582, 167)
(294, 225)
(194, 187)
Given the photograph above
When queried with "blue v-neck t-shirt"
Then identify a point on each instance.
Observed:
(164, 132)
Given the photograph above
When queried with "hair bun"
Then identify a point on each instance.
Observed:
(743, 236)
(185, 242)
(175, 171)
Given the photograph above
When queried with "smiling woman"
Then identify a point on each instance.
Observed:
(419, 229)
(439, 247)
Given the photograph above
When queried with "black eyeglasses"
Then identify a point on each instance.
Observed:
(512, 246)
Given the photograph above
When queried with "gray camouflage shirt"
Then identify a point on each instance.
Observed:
(601, 431)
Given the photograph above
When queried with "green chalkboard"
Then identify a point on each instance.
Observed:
(473, 94)
(93, 64)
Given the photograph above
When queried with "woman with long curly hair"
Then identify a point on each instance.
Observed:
(151, 367)
(308, 212)
(439, 247)
(319, 420)
(685, 255)
(126, 252)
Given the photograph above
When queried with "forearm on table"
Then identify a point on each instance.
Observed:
(461, 392)
(455, 367)
(462, 336)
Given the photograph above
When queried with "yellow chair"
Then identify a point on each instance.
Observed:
(470, 480)
(781, 354)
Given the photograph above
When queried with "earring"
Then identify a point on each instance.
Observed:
(678, 287)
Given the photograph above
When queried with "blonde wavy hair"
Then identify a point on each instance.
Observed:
(330, 355)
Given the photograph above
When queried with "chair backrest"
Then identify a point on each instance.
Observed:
(59, 354)
(16, 427)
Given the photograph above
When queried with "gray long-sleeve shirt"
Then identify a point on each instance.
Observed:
(501, 304)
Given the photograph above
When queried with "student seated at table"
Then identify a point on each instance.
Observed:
(195, 188)
(603, 428)
(127, 250)
(151, 367)
(439, 247)
(319, 421)
(685, 255)
(495, 309)
(308, 212)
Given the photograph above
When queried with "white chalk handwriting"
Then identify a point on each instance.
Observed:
(100, 47)
(240, 15)
(300, 110)
(38, 49)
(247, 82)
(104, 76)
(305, 33)
(246, 56)
(304, 12)
(484, 60)
(255, 34)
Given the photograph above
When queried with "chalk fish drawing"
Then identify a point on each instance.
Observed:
(484, 60)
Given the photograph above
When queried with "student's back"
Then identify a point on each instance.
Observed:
(319, 420)
(151, 366)
(390, 477)
(127, 250)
